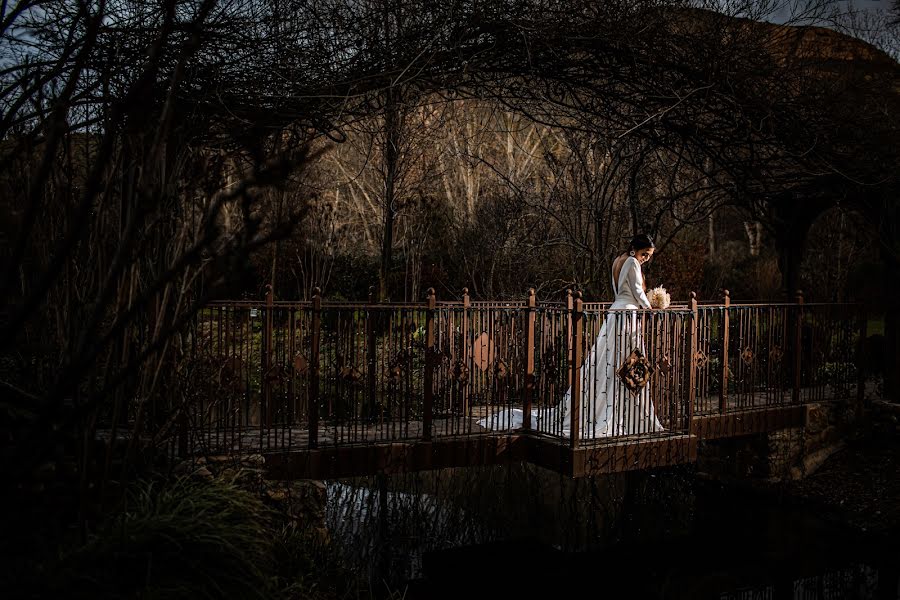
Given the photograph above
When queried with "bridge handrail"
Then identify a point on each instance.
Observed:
(443, 361)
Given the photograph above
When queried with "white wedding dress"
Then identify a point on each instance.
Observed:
(608, 408)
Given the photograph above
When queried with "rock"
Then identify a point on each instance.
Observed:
(817, 418)
(277, 495)
(255, 460)
(202, 473)
(183, 468)
(303, 502)
(813, 461)
(828, 436)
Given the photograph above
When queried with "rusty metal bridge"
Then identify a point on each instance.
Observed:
(335, 389)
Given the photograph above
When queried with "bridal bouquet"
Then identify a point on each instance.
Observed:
(659, 297)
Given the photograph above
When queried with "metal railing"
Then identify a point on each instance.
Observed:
(270, 375)
(761, 355)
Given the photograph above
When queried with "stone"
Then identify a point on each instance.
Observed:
(202, 473)
(255, 460)
(816, 441)
(817, 418)
(183, 468)
(812, 462)
(302, 502)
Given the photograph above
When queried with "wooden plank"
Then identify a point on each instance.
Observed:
(462, 454)
(634, 455)
(489, 451)
(396, 457)
(549, 453)
(392, 458)
(355, 462)
(748, 422)
(420, 456)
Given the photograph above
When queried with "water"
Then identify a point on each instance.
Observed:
(528, 533)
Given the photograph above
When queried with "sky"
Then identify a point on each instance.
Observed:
(784, 13)
(867, 20)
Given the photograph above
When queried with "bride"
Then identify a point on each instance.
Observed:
(608, 408)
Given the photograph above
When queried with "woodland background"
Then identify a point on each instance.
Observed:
(157, 155)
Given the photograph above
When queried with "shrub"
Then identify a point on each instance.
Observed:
(836, 373)
(200, 539)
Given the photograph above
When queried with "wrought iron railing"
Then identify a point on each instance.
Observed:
(280, 375)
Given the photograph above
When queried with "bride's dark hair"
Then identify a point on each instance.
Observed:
(640, 241)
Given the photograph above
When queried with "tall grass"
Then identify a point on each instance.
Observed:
(184, 538)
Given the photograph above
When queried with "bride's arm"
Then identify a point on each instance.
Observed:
(636, 281)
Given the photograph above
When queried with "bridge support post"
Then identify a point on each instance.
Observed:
(528, 392)
(428, 395)
(723, 379)
(314, 369)
(798, 347)
(575, 352)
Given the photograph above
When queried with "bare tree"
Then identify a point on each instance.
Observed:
(125, 214)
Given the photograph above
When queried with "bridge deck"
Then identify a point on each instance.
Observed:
(350, 451)
(482, 450)
(742, 416)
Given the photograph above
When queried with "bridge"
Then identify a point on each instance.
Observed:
(336, 389)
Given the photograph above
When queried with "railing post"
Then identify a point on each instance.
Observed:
(527, 396)
(267, 356)
(692, 375)
(314, 369)
(575, 351)
(798, 349)
(293, 402)
(464, 351)
(428, 399)
(861, 360)
(569, 307)
(723, 379)
(371, 360)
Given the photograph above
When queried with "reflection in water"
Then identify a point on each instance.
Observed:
(528, 532)
(858, 581)
(390, 531)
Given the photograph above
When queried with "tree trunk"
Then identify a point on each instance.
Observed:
(711, 222)
(634, 200)
(790, 243)
(391, 163)
(754, 236)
